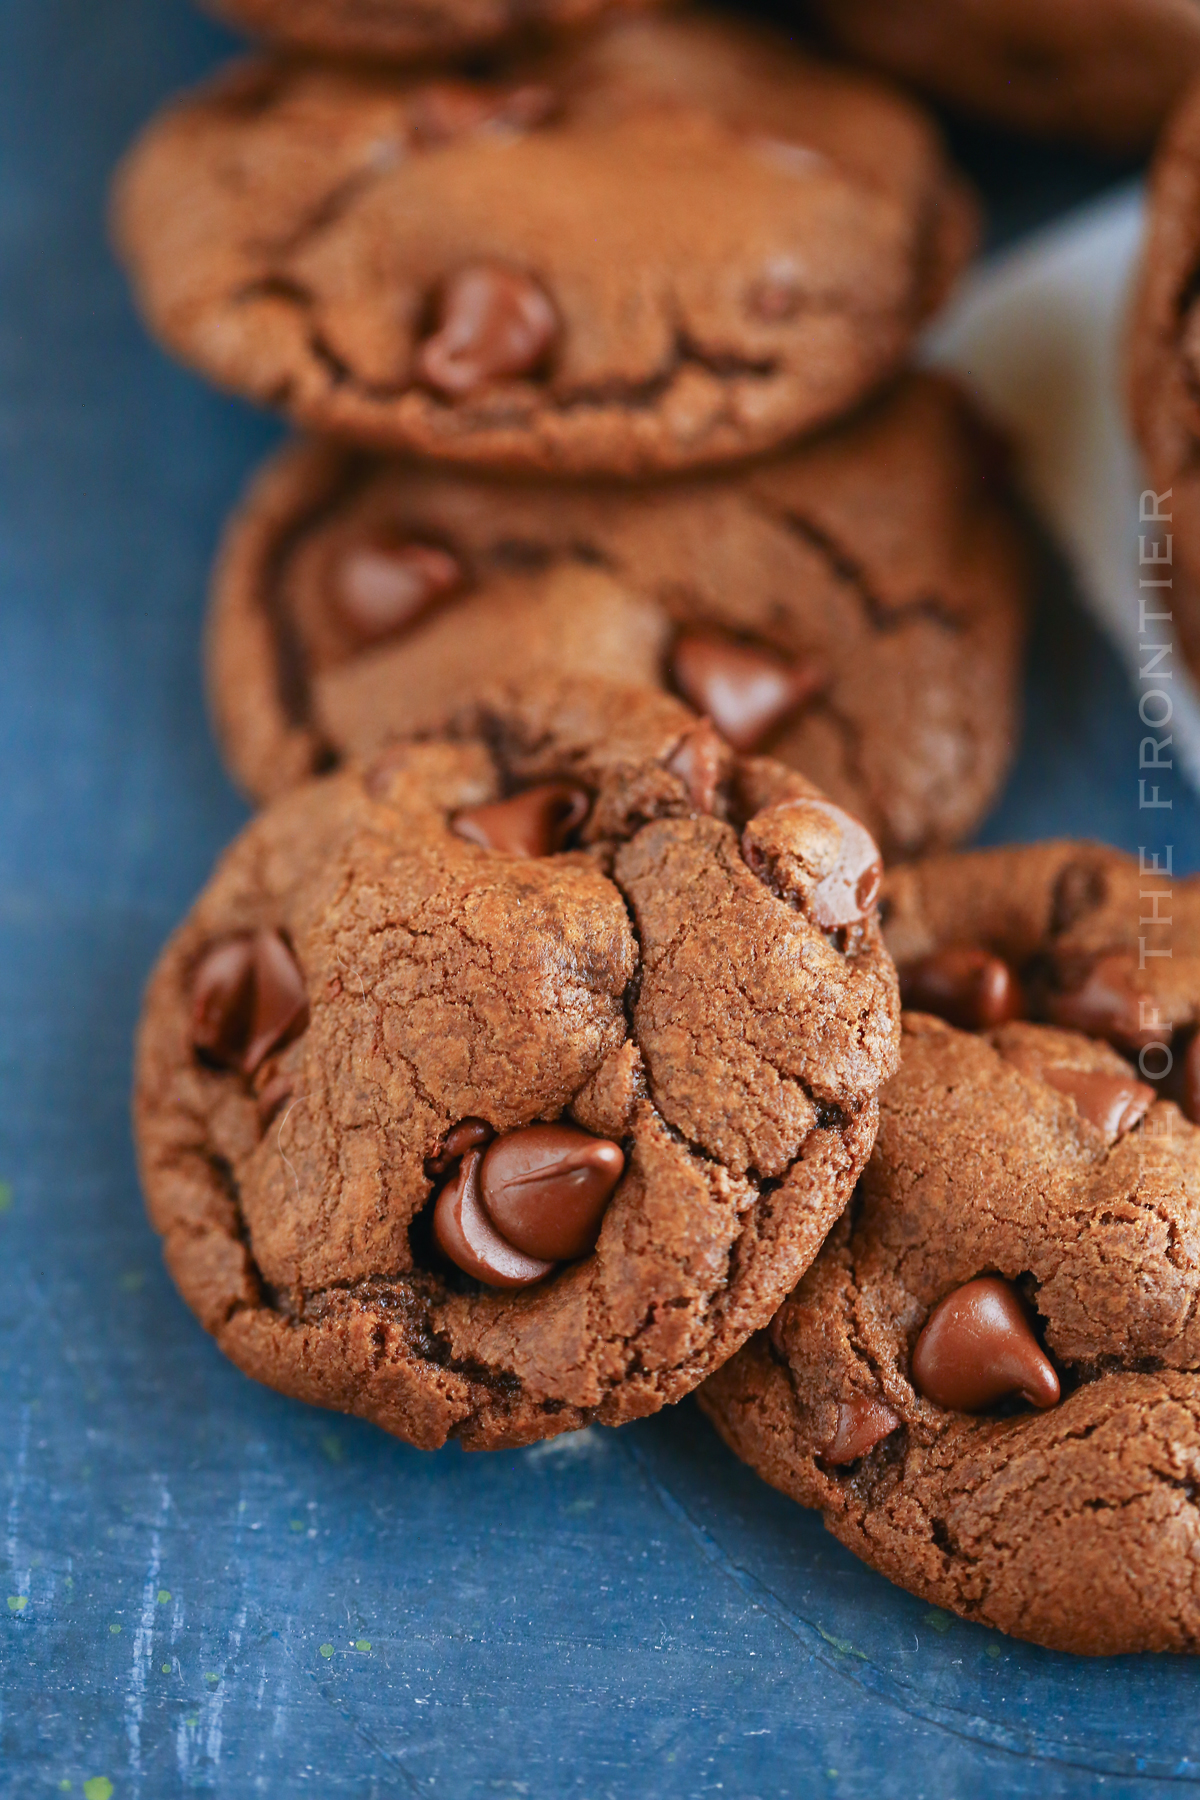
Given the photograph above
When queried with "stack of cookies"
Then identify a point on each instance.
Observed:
(632, 601)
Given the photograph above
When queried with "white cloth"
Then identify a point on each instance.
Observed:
(1038, 332)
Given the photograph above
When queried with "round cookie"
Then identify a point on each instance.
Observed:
(398, 29)
(668, 243)
(1164, 367)
(1104, 71)
(988, 1382)
(1075, 935)
(854, 608)
(578, 910)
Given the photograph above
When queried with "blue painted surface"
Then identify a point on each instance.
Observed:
(207, 1588)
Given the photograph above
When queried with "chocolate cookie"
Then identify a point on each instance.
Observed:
(855, 607)
(1073, 934)
(1104, 71)
(988, 1380)
(402, 30)
(669, 243)
(509, 1082)
(1164, 345)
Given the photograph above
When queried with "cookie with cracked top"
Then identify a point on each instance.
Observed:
(509, 1081)
(853, 608)
(1071, 934)
(1106, 72)
(989, 1380)
(664, 245)
(398, 30)
(1164, 388)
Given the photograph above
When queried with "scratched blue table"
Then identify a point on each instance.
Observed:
(209, 1588)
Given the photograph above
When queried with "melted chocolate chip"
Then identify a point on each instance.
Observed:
(537, 822)
(379, 589)
(1078, 891)
(248, 998)
(697, 760)
(546, 1188)
(776, 296)
(465, 1235)
(746, 691)
(468, 1134)
(1190, 1096)
(816, 855)
(966, 986)
(1104, 1002)
(442, 111)
(492, 323)
(861, 1424)
(978, 1347)
(1113, 1103)
(272, 1098)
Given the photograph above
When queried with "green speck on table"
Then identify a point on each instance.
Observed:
(18, 1602)
(6, 1196)
(940, 1621)
(326, 1650)
(97, 1787)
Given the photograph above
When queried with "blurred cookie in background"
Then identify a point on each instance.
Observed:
(855, 608)
(396, 29)
(1105, 72)
(672, 242)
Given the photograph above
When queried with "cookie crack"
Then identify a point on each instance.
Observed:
(882, 618)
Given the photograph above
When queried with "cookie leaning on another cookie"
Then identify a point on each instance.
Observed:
(853, 608)
(1025, 1237)
(579, 911)
(397, 28)
(1073, 934)
(988, 1380)
(667, 244)
(1104, 71)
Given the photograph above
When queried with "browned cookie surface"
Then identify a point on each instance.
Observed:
(406, 29)
(854, 608)
(1104, 71)
(1070, 933)
(578, 911)
(669, 243)
(990, 1381)
(1164, 382)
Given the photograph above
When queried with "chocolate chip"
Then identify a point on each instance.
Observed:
(1113, 1103)
(1078, 891)
(380, 588)
(221, 1000)
(861, 1424)
(469, 1134)
(537, 822)
(746, 691)
(966, 986)
(492, 322)
(776, 296)
(248, 998)
(272, 1098)
(697, 760)
(441, 111)
(1103, 1001)
(465, 1235)
(1190, 1096)
(978, 1347)
(816, 855)
(546, 1188)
